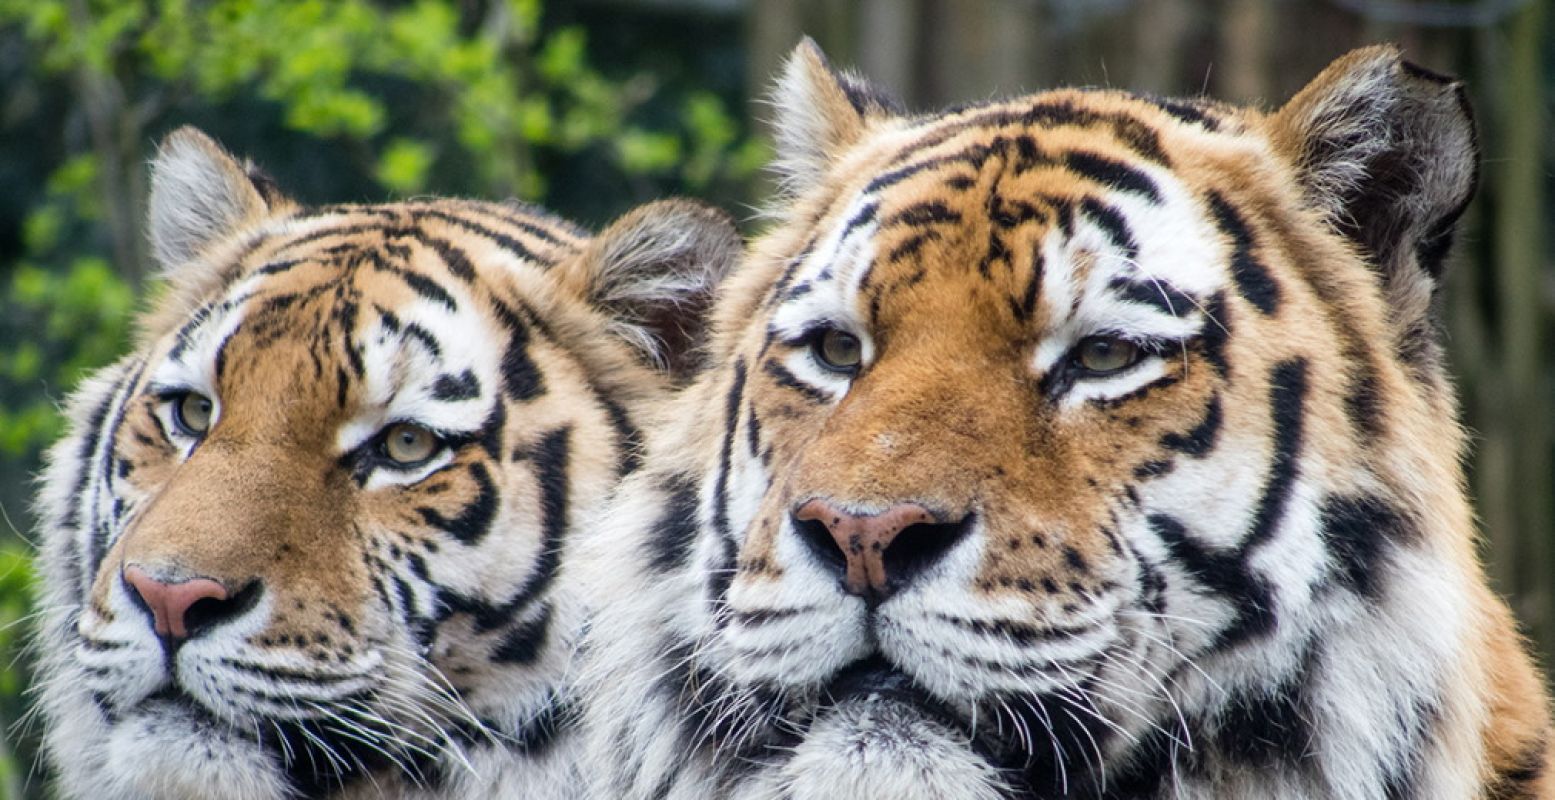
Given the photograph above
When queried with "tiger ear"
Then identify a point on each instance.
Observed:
(819, 113)
(200, 195)
(1387, 150)
(654, 272)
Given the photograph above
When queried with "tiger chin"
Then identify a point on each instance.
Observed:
(1086, 444)
(313, 536)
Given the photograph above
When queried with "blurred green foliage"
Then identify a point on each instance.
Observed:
(341, 100)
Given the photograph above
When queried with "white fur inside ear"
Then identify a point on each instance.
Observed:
(802, 124)
(199, 195)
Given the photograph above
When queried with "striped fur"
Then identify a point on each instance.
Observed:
(392, 630)
(1242, 566)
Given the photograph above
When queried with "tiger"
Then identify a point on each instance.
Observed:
(1086, 444)
(312, 537)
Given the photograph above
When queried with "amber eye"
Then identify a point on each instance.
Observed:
(838, 350)
(408, 445)
(1104, 355)
(192, 413)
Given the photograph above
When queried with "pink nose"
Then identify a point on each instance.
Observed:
(864, 539)
(170, 602)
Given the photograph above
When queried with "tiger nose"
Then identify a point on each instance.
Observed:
(877, 554)
(173, 605)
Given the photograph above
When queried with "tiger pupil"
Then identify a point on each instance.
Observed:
(194, 413)
(1104, 354)
(840, 350)
(408, 444)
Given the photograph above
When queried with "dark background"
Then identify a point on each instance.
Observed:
(593, 106)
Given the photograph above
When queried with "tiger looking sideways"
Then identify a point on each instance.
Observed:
(311, 537)
(1085, 444)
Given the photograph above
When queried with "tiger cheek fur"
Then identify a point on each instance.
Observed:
(311, 538)
(1077, 445)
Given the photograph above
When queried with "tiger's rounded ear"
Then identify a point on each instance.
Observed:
(819, 113)
(654, 273)
(1387, 150)
(200, 195)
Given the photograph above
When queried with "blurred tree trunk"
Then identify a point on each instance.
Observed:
(1241, 72)
(1519, 248)
(115, 128)
(1160, 36)
(888, 32)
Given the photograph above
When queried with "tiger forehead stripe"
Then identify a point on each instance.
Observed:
(1135, 134)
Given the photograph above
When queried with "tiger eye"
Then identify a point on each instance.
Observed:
(192, 413)
(1103, 355)
(407, 444)
(839, 350)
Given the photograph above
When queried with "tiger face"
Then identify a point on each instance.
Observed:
(1084, 444)
(311, 538)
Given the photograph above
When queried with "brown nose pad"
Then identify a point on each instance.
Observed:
(181, 610)
(877, 554)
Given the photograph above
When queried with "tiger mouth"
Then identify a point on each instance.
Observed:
(875, 679)
(998, 739)
(316, 757)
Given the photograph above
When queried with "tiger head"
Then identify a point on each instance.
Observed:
(312, 535)
(1084, 444)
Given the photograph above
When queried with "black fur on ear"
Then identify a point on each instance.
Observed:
(1387, 150)
(654, 273)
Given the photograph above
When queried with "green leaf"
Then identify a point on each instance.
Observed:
(404, 164)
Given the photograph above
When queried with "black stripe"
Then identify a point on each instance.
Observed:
(787, 380)
(551, 459)
(864, 216)
(1199, 441)
(507, 242)
(1028, 300)
(671, 540)
(426, 287)
(1111, 172)
(629, 439)
(1216, 334)
(524, 643)
(1112, 223)
(414, 330)
(1252, 278)
(540, 732)
(1155, 293)
(752, 430)
(521, 379)
(718, 581)
(1225, 574)
(1268, 726)
(926, 213)
(1358, 532)
(1133, 133)
(456, 261)
(1287, 396)
(453, 388)
(474, 520)
(1183, 111)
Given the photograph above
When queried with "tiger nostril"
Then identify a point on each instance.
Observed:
(920, 546)
(210, 612)
(817, 537)
(183, 609)
(876, 554)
